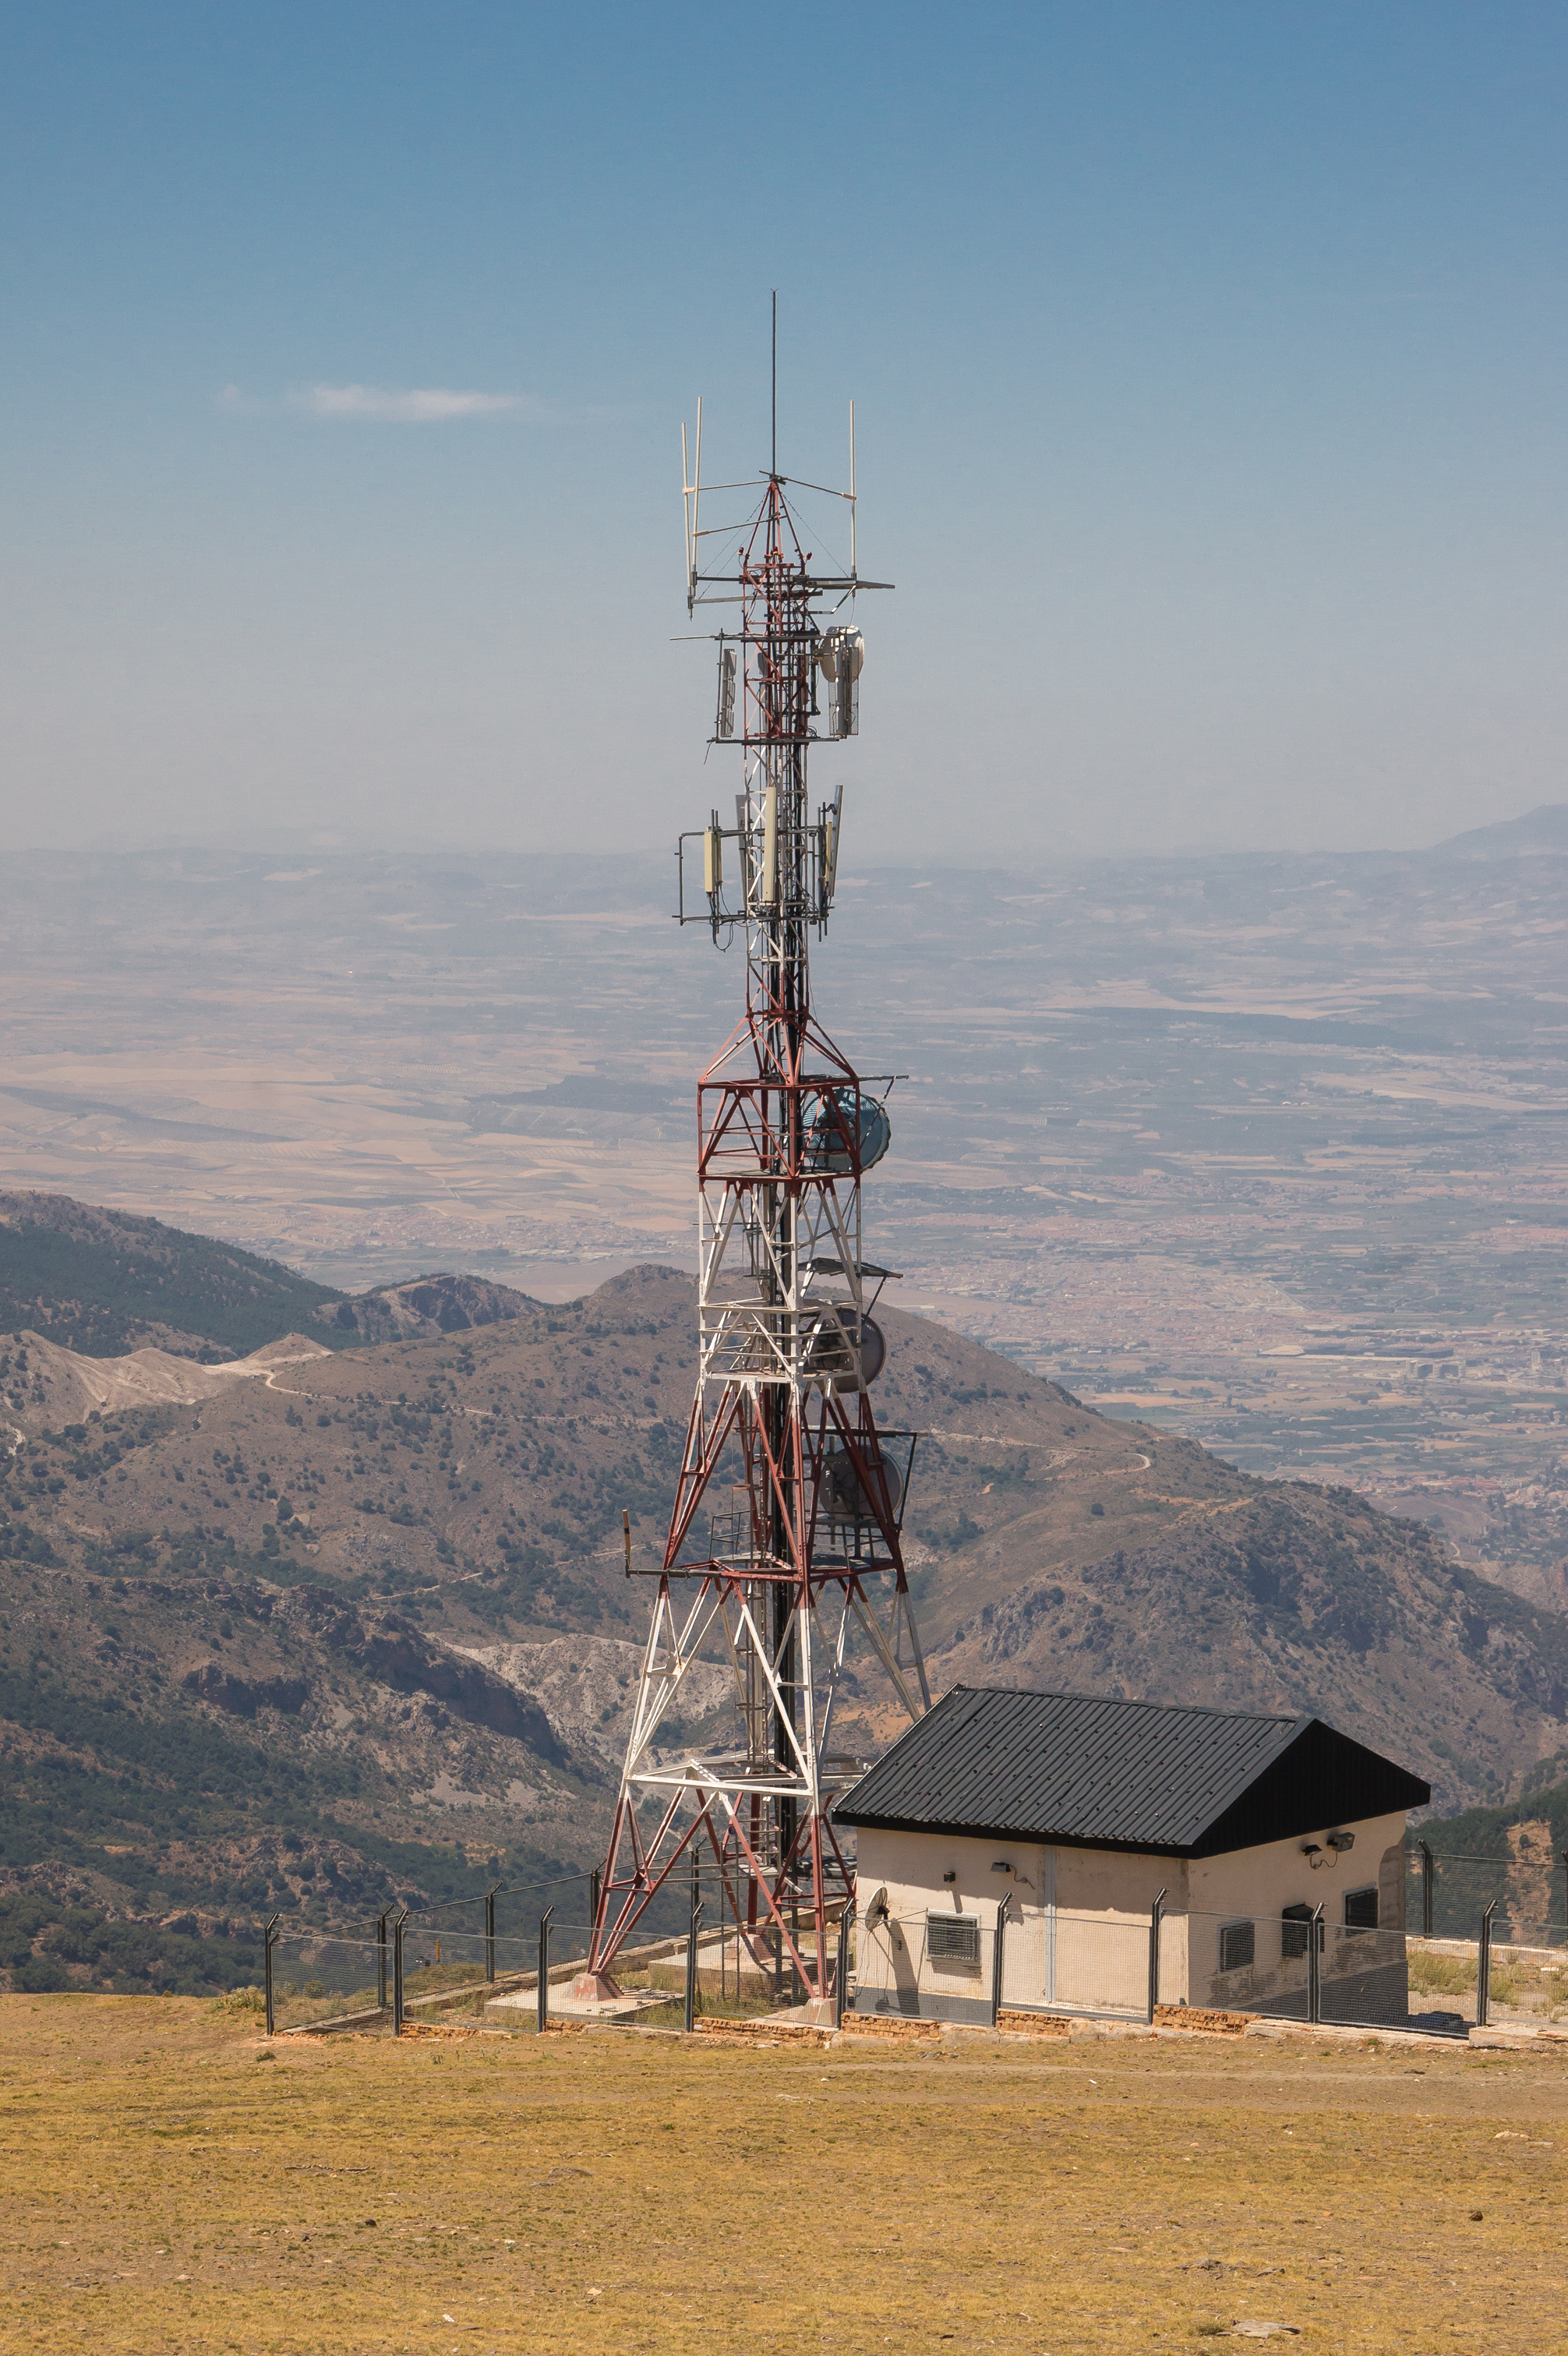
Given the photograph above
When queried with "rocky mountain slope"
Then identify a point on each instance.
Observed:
(322, 1626)
(422, 1309)
(106, 1281)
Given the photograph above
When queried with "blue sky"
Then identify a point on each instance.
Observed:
(1209, 363)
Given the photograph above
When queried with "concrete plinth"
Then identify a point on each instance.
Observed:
(818, 2013)
(565, 2004)
(571, 2006)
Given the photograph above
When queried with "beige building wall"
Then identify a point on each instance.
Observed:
(1077, 1936)
(1262, 1882)
(1078, 1932)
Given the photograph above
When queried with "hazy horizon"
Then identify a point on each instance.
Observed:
(284, 841)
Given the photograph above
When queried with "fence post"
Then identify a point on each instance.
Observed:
(1484, 1968)
(545, 1967)
(490, 1935)
(996, 1959)
(1157, 1913)
(382, 1921)
(1428, 1876)
(397, 1973)
(841, 1980)
(268, 1935)
(1313, 1968)
(691, 1965)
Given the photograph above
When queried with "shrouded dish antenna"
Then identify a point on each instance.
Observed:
(845, 1497)
(832, 1358)
(841, 653)
(831, 1136)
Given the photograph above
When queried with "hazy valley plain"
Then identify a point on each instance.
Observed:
(1267, 1150)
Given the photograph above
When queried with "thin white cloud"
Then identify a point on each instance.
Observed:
(430, 406)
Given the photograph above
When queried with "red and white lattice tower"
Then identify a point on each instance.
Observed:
(784, 1541)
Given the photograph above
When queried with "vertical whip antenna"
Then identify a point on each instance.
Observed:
(853, 502)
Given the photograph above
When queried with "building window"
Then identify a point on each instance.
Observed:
(1237, 1945)
(1361, 1909)
(954, 1939)
(1294, 1922)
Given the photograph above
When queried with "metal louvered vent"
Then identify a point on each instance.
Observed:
(954, 1939)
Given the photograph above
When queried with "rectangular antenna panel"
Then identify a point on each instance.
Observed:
(770, 846)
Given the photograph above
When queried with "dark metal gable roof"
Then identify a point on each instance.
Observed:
(1087, 1773)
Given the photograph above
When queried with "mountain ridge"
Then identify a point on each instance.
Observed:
(108, 1283)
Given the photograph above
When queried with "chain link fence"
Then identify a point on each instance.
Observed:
(1484, 1961)
(1291, 1965)
(457, 1960)
(1446, 1891)
(437, 1960)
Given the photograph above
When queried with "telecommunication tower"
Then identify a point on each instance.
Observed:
(785, 1536)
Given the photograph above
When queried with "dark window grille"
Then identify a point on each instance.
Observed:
(954, 1939)
(1237, 1945)
(1361, 1909)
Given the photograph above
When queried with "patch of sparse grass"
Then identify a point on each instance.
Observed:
(1441, 1975)
(1517, 1983)
(169, 2180)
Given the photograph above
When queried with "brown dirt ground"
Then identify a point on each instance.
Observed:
(170, 2182)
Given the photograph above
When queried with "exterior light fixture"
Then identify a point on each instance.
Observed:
(1341, 1841)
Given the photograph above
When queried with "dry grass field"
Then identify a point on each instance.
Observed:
(168, 2182)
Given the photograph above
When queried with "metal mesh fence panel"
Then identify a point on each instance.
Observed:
(1527, 1979)
(1055, 1959)
(316, 1977)
(934, 1964)
(941, 1963)
(1295, 1966)
(1446, 1892)
(1362, 1976)
(1527, 1982)
(1240, 1963)
(1094, 1963)
(1442, 1979)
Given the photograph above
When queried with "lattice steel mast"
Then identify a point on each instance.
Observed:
(807, 1545)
